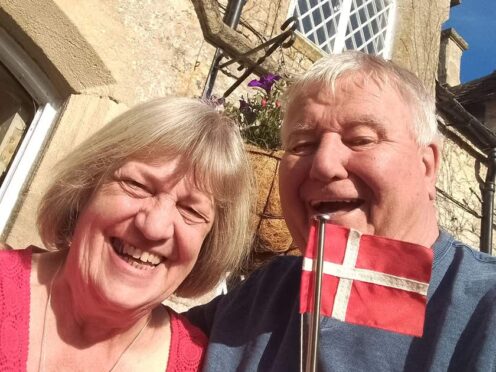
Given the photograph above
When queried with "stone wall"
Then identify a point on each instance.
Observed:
(417, 37)
(451, 50)
(459, 194)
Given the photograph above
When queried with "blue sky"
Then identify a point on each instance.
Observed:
(475, 21)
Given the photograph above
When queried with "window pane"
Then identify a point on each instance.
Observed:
(307, 24)
(303, 8)
(368, 21)
(326, 10)
(319, 20)
(321, 36)
(353, 22)
(17, 110)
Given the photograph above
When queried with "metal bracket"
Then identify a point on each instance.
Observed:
(283, 40)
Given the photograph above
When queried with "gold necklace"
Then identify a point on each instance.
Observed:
(41, 363)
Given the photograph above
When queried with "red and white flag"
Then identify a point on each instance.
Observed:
(369, 280)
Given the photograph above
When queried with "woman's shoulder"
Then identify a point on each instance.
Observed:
(15, 269)
(33, 259)
(7, 252)
(188, 344)
(13, 260)
(185, 330)
(18, 264)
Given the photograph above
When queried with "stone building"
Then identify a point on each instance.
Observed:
(466, 119)
(67, 67)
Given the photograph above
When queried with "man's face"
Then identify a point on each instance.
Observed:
(353, 155)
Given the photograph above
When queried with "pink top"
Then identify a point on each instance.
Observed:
(187, 347)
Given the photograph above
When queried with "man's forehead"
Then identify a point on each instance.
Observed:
(314, 107)
(318, 108)
(345, 84)
(351, 122)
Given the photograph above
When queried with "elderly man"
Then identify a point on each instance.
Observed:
(361, 144)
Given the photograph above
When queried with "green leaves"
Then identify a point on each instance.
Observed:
(259, 115)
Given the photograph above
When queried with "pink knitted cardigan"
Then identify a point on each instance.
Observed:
(187, 346)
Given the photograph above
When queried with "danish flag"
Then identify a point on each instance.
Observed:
(369, 280)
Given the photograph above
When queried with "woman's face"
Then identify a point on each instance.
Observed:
(140, 235)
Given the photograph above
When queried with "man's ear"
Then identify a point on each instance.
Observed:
(431, 158)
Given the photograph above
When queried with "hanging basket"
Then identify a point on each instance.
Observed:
(272, 237)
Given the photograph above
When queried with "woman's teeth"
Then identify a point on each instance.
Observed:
(141, 255)
(135, 256)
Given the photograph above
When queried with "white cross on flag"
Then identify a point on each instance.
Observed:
(369, 280)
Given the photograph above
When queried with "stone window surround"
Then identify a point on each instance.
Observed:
(27, 155)
(84, 87)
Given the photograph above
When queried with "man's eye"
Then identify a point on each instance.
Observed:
(302, 148)
(361, 141)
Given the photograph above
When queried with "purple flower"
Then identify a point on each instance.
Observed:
(265, 82)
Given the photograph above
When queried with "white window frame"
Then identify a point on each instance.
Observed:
(39, 87)
(344, 18)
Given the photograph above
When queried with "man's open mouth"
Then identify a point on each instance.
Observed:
(336, 206)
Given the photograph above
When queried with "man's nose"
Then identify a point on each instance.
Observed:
(156, 219)
(330, 159)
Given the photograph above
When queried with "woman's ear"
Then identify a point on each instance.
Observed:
(431, 158)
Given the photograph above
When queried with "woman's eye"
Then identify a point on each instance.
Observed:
(191, 215)
(134, 187)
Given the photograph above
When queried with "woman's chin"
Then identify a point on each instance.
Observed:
(127, 299)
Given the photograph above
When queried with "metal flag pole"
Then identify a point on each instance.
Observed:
(313, 338)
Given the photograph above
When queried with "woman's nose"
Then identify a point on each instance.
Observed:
(330, 159)
(156, 219)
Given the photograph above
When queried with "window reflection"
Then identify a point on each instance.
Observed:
(17, 110)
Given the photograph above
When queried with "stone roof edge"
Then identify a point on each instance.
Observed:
(481, 136)
(455, 36)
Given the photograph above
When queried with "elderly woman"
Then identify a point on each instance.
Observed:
(155, 203)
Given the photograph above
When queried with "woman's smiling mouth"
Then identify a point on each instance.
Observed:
(134, 256)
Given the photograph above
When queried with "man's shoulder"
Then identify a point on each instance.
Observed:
(277, 277)
(473, 257)
(271, 290)
(476, 255)
(279, 267)
(470, 272)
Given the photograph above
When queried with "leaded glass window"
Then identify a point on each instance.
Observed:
(337, 25)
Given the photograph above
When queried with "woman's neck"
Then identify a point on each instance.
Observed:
(84, 319)
(73, 332)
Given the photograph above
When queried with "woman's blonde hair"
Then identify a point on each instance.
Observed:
(209, 145)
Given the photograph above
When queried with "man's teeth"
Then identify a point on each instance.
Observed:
(138, 254)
